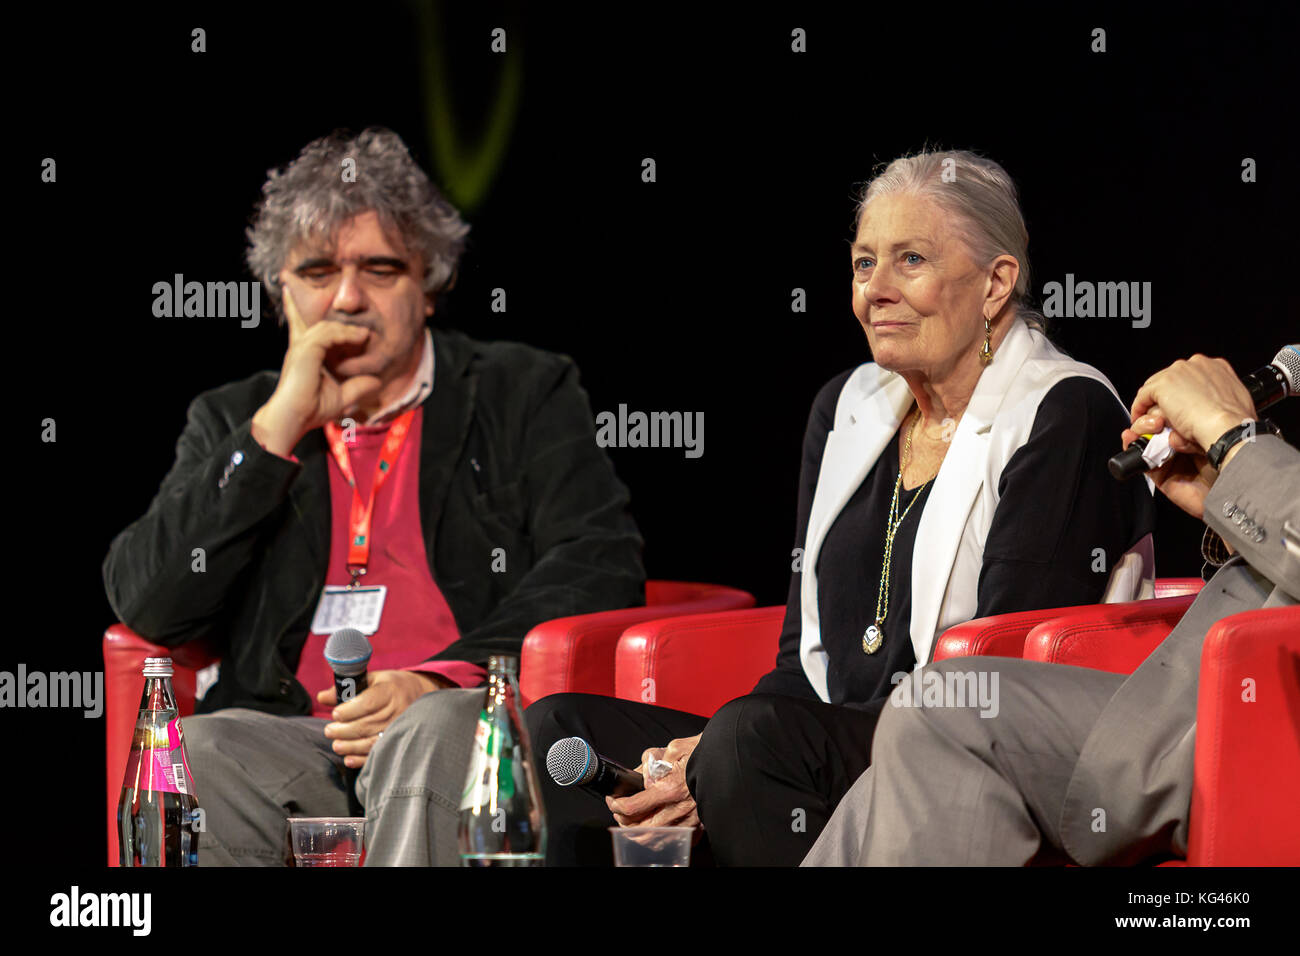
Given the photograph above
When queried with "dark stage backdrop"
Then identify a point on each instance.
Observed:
(673, 295)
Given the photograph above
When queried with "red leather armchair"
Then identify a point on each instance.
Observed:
(567, 654)
(576, 654)
(1247, 768)
(698, 663)
(1003, 635)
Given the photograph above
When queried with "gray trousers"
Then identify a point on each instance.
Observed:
(949, 787)
(253, 770)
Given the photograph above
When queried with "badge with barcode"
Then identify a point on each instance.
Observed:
(342, 607)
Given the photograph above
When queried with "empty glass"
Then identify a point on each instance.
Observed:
(652, 846)
(327, 841)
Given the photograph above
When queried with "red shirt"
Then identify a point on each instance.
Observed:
(417, 622)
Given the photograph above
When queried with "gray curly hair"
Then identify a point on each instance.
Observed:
(309, 200)
(983, 203)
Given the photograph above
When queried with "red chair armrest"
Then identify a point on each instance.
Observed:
(1108, 637)
(1244, 809)
(697, 663)
(1002, 635)
(576, 654)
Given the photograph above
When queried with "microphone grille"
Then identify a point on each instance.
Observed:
(347, 651)
(571, 761)
(1288, 360)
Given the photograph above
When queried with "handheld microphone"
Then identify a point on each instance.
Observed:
(1267, 386)
(347, 652)
(572, 762)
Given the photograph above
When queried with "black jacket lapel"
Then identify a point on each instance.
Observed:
(448, 411)
(310, 497)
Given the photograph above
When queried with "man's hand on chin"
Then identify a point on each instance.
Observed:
(358, 722)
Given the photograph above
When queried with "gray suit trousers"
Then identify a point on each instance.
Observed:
(953, 783)
(253, 770)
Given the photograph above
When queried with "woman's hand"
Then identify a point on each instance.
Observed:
(667, 802)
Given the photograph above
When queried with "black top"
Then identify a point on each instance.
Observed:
(1058, 504)
(848, 584)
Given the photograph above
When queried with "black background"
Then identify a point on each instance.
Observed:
(673, 295)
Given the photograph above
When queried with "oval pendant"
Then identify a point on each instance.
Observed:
(871, 640)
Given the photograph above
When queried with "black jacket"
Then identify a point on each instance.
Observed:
(542, 490)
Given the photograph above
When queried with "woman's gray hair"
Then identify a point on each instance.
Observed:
(310, 199)
(983, 203)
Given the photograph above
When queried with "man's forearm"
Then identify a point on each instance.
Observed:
(172, 570)
(1257, 491)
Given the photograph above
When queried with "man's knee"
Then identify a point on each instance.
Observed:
(435, 714)
(426, 746)
(954, 698)
(213, 736)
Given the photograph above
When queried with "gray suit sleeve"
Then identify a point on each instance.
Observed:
(1256, 494)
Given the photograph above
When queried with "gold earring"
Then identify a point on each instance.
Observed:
(986, 350)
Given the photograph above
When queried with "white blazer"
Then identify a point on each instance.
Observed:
(949, 549)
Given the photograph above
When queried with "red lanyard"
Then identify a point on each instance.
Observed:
(359, 529)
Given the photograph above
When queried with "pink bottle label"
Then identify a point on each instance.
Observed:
(161, 770)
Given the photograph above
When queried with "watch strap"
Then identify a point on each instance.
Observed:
(1234, 435)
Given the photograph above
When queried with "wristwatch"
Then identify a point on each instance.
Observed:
(1238, 433)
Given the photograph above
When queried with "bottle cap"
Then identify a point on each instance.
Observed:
(503, 664)
(157, 667)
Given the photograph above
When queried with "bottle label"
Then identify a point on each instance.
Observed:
(482, 765)
(161, 769)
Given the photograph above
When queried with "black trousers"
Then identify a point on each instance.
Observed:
(766, 776)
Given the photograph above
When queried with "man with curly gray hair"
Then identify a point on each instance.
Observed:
(440, 494)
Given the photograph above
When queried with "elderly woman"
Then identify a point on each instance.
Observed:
(960, 474)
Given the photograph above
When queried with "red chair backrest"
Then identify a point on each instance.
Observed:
(1003, 635)
(704, 674)
(1175, 587)
(1244, 793)
(576, 654)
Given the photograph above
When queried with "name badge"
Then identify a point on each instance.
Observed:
(342, 607)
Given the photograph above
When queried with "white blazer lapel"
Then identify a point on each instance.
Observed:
(960, 478)
(862, 429)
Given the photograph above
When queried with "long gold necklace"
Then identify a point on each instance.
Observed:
(875, 634)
